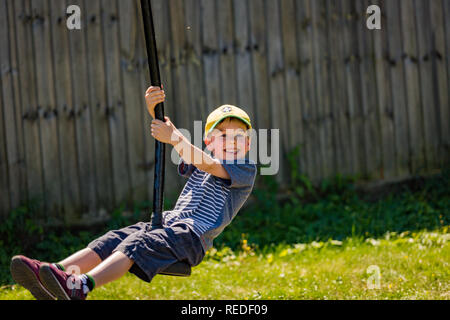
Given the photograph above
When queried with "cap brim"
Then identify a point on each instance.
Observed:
(228, 116)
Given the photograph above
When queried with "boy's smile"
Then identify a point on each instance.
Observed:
(229, 140)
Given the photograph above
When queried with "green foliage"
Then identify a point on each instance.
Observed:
(308, 214)
(335, 209)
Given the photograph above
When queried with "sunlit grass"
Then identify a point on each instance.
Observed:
(412, 266)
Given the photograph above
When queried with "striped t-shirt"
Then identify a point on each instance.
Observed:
(207, 204)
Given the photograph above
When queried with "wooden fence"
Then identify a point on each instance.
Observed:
(74, 131)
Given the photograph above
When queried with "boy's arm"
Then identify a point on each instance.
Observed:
(166, 132)
(194, 155)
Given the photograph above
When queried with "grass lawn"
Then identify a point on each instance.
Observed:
(411, 266)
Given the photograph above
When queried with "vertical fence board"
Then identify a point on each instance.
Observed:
(352, 64)
(178, 57)
(132, 96)
(99, 106)
(210, 54)
(46, 106)
(307, 89)
(225, 30)
(243, 57)
(414, 105)
(17, 159)
(428, 99)
(179, 106)
(66, 114)
(262, 118)
(445, 109)
(295, 125)
(27, 84)
(117, 131)
(5, 200)
(258, 31)
(321, 61)
(82, 107)
(197, 95)
(338, 89)
(398, 89)
(8, 127)
(195, 66)
(275, 68)
(385, 107)
(369, 94)
(440, 13)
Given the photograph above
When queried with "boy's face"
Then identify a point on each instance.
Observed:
(229, 140)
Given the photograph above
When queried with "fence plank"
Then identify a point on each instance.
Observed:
(96, 57)
(210, 54)
(445, 109)
(8, 125)
(195, 66)
(66, 113)
(242, 49)
(229, 85)
(414, 105)
(46, 107)
(307, 88)
(27, 85)
(178, 57)
(5, 200)
(19, 195)
(132, 97)
(290, 56)
(398, 88)
(259, 44)
(179, 74)
(82, 108)
(338, 89)
(428, 99)
(369, 94)
(440, 11)
(194, 47)
(352, 61)
(276, 83)
(116, 117)
(384, 95)
(321, 61)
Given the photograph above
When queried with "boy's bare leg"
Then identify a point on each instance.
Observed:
(114, 267)
(81, 261)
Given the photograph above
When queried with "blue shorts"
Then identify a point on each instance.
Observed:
(151, 250)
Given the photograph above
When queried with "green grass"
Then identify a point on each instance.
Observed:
(412, 266)
(282, 249)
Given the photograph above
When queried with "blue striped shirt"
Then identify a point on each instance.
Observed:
(207, 204)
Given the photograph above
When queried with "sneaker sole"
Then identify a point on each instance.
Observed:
(51, 283)
(24, 276)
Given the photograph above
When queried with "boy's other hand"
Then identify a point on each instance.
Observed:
(153, 97)
(165, 132)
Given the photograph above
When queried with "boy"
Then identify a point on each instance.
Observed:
(216, 189)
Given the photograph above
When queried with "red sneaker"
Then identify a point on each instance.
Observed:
(63, 285)
(25, 272)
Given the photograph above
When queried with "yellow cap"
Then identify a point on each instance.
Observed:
(225, 111)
